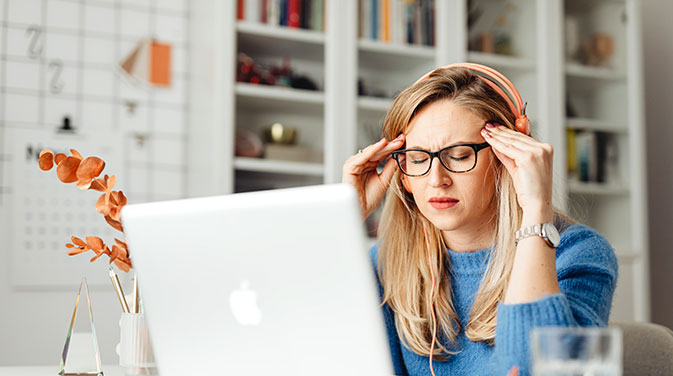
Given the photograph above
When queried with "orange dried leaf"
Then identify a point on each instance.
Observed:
(115, 224)
(76, 154)
(67, 170)
(95, 257)
(77, 251)
(97, 185)
(89, 169)
(68, 245)
(101, 205)
(46, 160)
(115, 213)
(120, 243)
(78, 241)
(58, 158)
(111, 183)
(95, 243)
(124, 265)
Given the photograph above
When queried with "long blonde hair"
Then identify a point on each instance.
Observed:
(404, 265)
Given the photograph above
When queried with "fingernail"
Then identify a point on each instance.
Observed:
(399, 137)
(486, 133)
(490, 125)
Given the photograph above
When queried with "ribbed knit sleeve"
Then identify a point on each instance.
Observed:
(587, 269)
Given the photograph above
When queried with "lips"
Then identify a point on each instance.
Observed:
(443, 202)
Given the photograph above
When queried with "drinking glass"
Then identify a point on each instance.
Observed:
(576, 351)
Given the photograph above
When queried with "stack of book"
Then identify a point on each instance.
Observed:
(592, 156)
(398, 21)
(304, 14)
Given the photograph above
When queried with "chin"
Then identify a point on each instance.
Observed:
(444, 222)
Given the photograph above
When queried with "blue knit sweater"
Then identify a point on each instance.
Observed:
(587, 272)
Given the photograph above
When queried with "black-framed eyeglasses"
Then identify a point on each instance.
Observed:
(455, 158)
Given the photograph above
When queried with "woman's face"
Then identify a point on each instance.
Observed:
(438, 125)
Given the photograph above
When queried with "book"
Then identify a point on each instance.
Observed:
(293, 13)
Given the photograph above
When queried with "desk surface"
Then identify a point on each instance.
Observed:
(52, 371)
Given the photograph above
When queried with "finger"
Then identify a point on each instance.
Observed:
(513, 372)
(388, 171)
(506, 148)
(389, 149)
(506, 161)
(514, 136)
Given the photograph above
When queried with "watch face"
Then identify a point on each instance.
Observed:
(552, 234)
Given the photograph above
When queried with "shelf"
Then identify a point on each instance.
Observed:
(374, 104)
(596, 125)
(280, 98)
(278, 167)
(395, 49)
(502, 61)
(281, 32)
(258, 38)
(594, 73)
(396, 57)
(605, 189)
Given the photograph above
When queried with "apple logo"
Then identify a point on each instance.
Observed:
(243, 304)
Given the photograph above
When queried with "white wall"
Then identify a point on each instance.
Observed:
(89, 37)
(658, 71)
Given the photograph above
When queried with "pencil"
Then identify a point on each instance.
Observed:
(118, 289)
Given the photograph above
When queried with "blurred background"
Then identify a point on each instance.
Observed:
(191, 98)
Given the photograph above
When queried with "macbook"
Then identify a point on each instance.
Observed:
(263, 283)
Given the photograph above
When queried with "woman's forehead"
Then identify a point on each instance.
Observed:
(444, 121)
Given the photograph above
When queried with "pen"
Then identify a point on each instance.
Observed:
(136, 306)
(118, 289)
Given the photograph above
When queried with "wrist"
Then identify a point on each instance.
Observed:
(537, 214)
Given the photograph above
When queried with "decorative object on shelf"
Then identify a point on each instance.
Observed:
(84, 171)
(364, 90)
(249, 71)
(248, 144)
(278, 133)
(135, 344)
(597, 50)
(572, 37)
(490, 27)
(149, 63)
(74, 335)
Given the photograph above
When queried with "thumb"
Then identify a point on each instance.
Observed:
(387, 174)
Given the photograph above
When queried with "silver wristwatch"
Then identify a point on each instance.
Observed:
(546, 231)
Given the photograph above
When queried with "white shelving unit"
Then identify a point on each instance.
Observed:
(337, 121)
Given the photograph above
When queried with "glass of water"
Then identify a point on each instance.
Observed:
(576, 351)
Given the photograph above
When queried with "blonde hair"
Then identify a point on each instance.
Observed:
(404, 265)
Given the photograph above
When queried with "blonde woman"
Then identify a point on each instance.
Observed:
(471, 255)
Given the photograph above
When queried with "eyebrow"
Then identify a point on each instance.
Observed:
(457, 143)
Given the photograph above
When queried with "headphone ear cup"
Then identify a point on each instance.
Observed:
(523, 125)
(405, 183)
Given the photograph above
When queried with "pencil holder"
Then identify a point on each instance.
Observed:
(135, 346)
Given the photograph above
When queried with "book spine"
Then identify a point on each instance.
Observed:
(293, 13)
(240, 9)
(316, 15)
(385, 20)
(273, 17)
(410, 22)
(252, 11)
(375, 19)
(571, 154)
(305, 19)
(265, 11)
(283, 12)
(366, 19)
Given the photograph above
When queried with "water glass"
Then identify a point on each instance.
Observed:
(576, 351)
(135, 346)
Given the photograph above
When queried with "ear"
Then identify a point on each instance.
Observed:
(405, 183)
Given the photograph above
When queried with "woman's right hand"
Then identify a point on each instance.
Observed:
(360, 172)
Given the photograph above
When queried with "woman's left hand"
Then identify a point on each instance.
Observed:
(528, 161)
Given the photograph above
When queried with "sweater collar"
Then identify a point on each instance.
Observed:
(469, 262)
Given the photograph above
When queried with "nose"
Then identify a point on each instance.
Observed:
(438, 176)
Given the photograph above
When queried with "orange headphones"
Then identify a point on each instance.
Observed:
(501, 85)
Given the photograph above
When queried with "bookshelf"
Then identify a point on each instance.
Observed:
(358, 74)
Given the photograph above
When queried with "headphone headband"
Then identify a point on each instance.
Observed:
(501, 85)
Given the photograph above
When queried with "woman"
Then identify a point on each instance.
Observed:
(457, 280)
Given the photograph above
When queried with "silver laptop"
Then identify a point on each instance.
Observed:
(265, 283)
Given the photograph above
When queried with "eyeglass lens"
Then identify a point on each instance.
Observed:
(456, 159)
